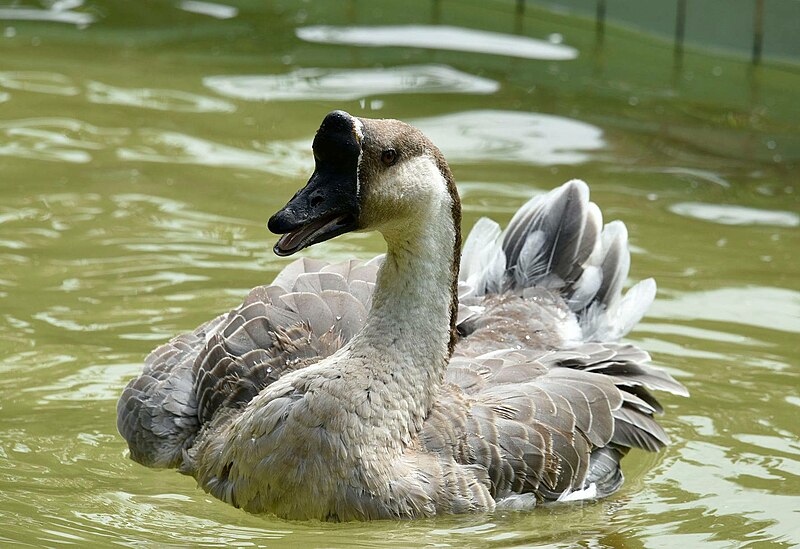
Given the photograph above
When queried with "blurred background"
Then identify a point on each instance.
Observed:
(143, 145)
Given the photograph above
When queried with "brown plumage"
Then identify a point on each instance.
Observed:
(538, 402)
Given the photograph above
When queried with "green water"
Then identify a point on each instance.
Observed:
(137, 173)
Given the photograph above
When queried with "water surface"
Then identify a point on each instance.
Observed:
(142, 151)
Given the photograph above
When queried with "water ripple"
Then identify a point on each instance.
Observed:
(217, 11)
(692, 174)
(717, 479)
(726, 214)
(131, 516)
(55, 83)
(511, 136)
(59, 12)
(99, 382)
(306, 84)
(157, 99)
(73, 141)
(762, 307)
(66, 318)
(39, 81)
(785, 443)
(700, 334)
(59, 139)
(177, 210)
(440, 38)
(179, 148)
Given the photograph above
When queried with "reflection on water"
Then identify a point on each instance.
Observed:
(38, 81)
(55, 139)
(309, 84)
(126, 512)
(775, 308)
(97, 92)
(693, 174)
(99, 382)
(509, 136)
(726, 214)
(74, 141)
(218, 11)
(179, 148)
(148, 98)
(719, 487)
(58, 12)
(440, 38)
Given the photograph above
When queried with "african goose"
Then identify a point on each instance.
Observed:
(395, 388)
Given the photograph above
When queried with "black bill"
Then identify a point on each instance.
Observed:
(328, 205)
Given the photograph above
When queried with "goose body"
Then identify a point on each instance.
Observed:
(419, 383)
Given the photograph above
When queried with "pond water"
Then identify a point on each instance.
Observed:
(142, 150)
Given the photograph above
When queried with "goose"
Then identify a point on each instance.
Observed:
(425, 381)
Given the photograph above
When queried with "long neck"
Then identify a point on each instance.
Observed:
(410, 330)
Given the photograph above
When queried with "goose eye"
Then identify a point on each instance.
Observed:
(389, 157)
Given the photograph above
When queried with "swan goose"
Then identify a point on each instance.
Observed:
(396, 388)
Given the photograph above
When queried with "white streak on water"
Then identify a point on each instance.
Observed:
(346, 84)
(512, 136)
(217, 11)
(762, 307)
(440, 37)
(60, 12)
(55, 139)
(726, 214)
(178, 148)
(39, 81)
(157, 99)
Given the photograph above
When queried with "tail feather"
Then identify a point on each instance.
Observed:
(544, 240)
(483, 262)
(615, 261)
(557, 241)
(604, 470)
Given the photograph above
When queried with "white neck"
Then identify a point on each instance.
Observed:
(407, 332)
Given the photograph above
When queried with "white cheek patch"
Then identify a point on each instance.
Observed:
(412, 191)
(414, 186)
(422, 172)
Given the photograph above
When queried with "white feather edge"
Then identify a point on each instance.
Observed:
(482, 260)
(590, 492)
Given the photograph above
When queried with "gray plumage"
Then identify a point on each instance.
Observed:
(538, 397)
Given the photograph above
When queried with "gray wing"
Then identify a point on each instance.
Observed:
(157, 412)
(549, 422)
(308, 312)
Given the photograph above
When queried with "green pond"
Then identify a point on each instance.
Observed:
(143, 146)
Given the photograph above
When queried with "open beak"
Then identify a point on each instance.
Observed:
(328, 205)
(318, 212)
